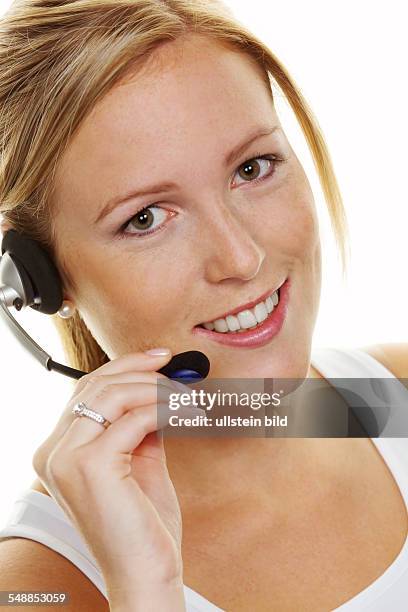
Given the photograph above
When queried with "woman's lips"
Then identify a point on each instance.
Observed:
(260, 335)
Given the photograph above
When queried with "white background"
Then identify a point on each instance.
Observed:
(348, 59)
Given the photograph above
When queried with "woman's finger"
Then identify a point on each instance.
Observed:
(111, 401)
(126, 363)
(126, 433)
(98, 382)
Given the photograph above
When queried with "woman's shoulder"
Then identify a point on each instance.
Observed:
(392, 355)
(27, 565)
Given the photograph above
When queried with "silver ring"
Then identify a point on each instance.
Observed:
(80, 409)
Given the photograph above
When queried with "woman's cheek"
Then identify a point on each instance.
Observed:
(307, 226)
(294, 211)
(290, 229)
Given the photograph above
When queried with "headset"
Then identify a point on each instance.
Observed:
(29, 277)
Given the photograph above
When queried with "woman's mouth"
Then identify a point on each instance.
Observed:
(250, 327)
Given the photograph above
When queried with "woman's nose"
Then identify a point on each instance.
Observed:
(231, 251)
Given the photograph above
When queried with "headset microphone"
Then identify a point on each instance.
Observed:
(29, 277)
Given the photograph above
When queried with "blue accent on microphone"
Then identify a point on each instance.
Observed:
(186, 375)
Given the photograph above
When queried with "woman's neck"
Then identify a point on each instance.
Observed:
(213, 471)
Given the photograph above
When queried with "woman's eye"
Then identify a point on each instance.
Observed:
(251, 170)
(146, 221)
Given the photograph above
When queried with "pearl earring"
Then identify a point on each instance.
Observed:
(67, 310)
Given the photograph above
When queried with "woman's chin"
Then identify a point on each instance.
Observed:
(264, 373)
(281, 363)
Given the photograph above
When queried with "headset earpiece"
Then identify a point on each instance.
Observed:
(37, 273)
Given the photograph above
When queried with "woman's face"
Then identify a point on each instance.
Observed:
(219, 234)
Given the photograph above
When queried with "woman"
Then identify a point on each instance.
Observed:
(106, 98)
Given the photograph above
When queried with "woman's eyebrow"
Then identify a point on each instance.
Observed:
(167, 186)
(240, 148)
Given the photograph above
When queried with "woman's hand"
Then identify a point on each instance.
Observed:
(113, 483)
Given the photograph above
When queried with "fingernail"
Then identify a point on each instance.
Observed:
(181, 386)
(189, 411)
(158, 351)
(199, 411)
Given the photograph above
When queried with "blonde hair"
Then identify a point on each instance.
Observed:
(59, 57)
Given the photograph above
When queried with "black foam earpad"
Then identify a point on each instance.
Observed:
(38, 272)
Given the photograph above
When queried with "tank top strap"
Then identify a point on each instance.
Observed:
(347, 363)
(38, 517)
(377, 398)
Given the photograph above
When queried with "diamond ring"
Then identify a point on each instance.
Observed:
(80, 409)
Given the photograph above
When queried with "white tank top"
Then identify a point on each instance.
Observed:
(38, 517)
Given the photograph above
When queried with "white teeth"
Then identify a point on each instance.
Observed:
(209, 326)
(260, 312)
(246, 319)
(232, 322)
(269, 304)
(221, 325)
